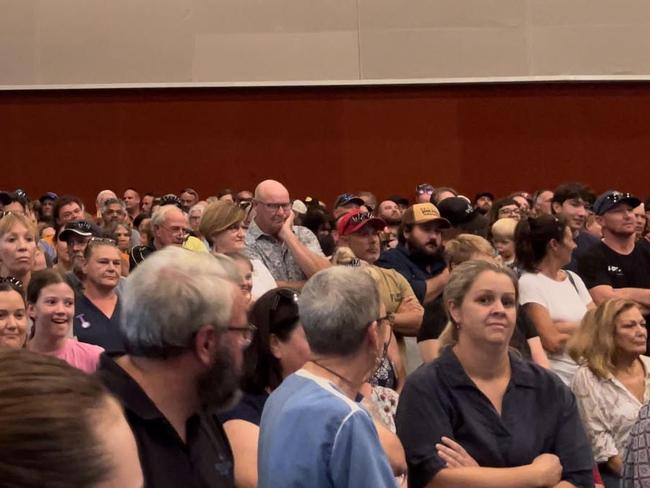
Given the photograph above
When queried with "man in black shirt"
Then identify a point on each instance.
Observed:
(617, 267)
(184, 328)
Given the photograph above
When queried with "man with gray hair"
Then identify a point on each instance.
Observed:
(184, 328)
(313, 432)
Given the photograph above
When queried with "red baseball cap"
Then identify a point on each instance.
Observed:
(355, 220)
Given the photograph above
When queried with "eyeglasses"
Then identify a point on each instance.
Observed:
(176, 230)
(12, 281)
(509, 211)
(274, 207)
(247, 332)
(4, 213)
(424, 188)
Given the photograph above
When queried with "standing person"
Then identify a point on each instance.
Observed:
(313, 433)
(184, 327)
(478, 415)
(222, 224)
(121, 233)
(97, 308)
(613, 381)
(50, 304)
(543, 203)
(66, 209)
(554, 299)
(483, 202)
(132, 201)
(291, 253)
(617, 267)
(278, 349)
(13, 314)
(17, 246)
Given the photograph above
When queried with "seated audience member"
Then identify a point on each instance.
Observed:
(423, 193)
(66, 209)
(132, 202)
(77, 234)
(16, 202)
(572, 201)
(402, 202)
(467, 247)
(146, 233)
(636, 464)
(418, 257)
(189, 197)
(542, 203)
(146, 205)
(63, 263)
(13, 314)
(321, 223)
(441, 193)
(50, 305)
(17, 246)
(102, 197)
(462, 217)
(97, 308)
(369, 200)
(641, 221)
(391, 213)
(226, 195)
(291, 253)
(222, 224)
(194, 216)
(523, 200)
(592, 227)
(45, 212)
(346, 202)
(506, 208)
(503, 239)
(184, 327)
(69, 432)
(555, 300)
(478, 415)
(278, 349)
(483, 202)
(245, 269)
(312, 428)
(613, 381)
(617, 266)
(120, 232)
(243, 196)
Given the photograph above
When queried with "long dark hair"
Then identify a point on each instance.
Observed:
(275, 312)
(532, 236)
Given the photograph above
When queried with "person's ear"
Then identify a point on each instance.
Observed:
(205, 343)
(274, 346)
(374, 336)
(31, 311)
(556, 207)
(553, 244)
(454, 312)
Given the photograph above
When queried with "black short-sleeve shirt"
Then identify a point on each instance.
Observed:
(249, 408)
(538, 415)
(604, 266)
(204, 461)
(91, 326)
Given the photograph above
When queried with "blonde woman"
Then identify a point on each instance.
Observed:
(613, 381)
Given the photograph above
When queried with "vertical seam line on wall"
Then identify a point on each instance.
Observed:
(359, 65)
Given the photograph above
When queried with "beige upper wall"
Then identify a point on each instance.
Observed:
(202, 41)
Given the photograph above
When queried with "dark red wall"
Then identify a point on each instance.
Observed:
(325, 140)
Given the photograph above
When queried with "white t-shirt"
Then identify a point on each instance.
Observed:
(563, 303)
(262, 279)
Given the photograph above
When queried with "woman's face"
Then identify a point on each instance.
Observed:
(511, 211)
(292, 353)
(566, 246)
(53, 311)
(13, 320)
(17, 248)
(488, 311)
(230, 239)
(123, 237)
(630, 334)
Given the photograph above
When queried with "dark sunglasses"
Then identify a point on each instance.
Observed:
(424, 188)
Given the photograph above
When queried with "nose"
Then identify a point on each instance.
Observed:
(582, 211)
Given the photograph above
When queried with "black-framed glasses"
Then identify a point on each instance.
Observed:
(274, 207)
(12, 281)
(247, 332)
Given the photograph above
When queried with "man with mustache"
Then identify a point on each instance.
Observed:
(184, 328)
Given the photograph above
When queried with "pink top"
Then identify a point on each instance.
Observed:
(79, 354)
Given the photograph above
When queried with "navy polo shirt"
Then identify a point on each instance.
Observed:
(416, 269)
(538, 416)
(93, 327)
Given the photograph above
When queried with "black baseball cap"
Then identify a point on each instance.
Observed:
(611, 199)
(81, 228)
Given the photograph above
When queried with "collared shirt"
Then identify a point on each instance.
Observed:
(91, 326)
(538, 415)
(608, 410)
(205, 460)
(636, 466)
(416, 269)
(275, 254)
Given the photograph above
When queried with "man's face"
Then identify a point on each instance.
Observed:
(76, 248)
(71, 211)
(390, 212)
(188, 199)
(131, 200)
(543, 203)
(365, 243)
(244, 196)
(574, 211)
(195, 217)
(619, 221)
(641, 219)
(147, 203)
(114, 213)
(484, 204)
(46, 208)
(425, 239)
(174, 230)
(272, 210)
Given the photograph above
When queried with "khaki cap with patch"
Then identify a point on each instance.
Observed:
(421, 213)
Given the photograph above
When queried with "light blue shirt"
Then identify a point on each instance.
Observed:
(313, 436)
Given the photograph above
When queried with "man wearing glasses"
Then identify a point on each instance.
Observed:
(291, 253)
(617, 267)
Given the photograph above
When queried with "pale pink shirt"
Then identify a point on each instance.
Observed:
(79, 354)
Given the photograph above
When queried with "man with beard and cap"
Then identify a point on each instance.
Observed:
(483, 202)
(76, 235)
(617, 266)
(184, 328)
(418, 257)
(464, 218)
(391, 213)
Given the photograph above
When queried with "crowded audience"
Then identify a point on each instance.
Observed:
(248, 338)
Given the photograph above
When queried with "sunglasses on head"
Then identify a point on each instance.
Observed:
(618, 196)
(12, 281)
(424, 188)
(360, 217)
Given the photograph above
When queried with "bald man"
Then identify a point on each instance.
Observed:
(291, 253)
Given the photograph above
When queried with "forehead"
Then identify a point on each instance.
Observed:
(367, 230)
(105, 251)
(275, 193)
(11, 297)
(387, 204)
(70, 206)
(492, 281)
(57, 289)
(176, 216)
(17, 228)
(632, 313)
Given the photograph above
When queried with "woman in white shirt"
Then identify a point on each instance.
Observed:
(613, 381)
(555, 300)
(222, 224)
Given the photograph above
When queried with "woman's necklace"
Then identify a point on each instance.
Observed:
(329, 370)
